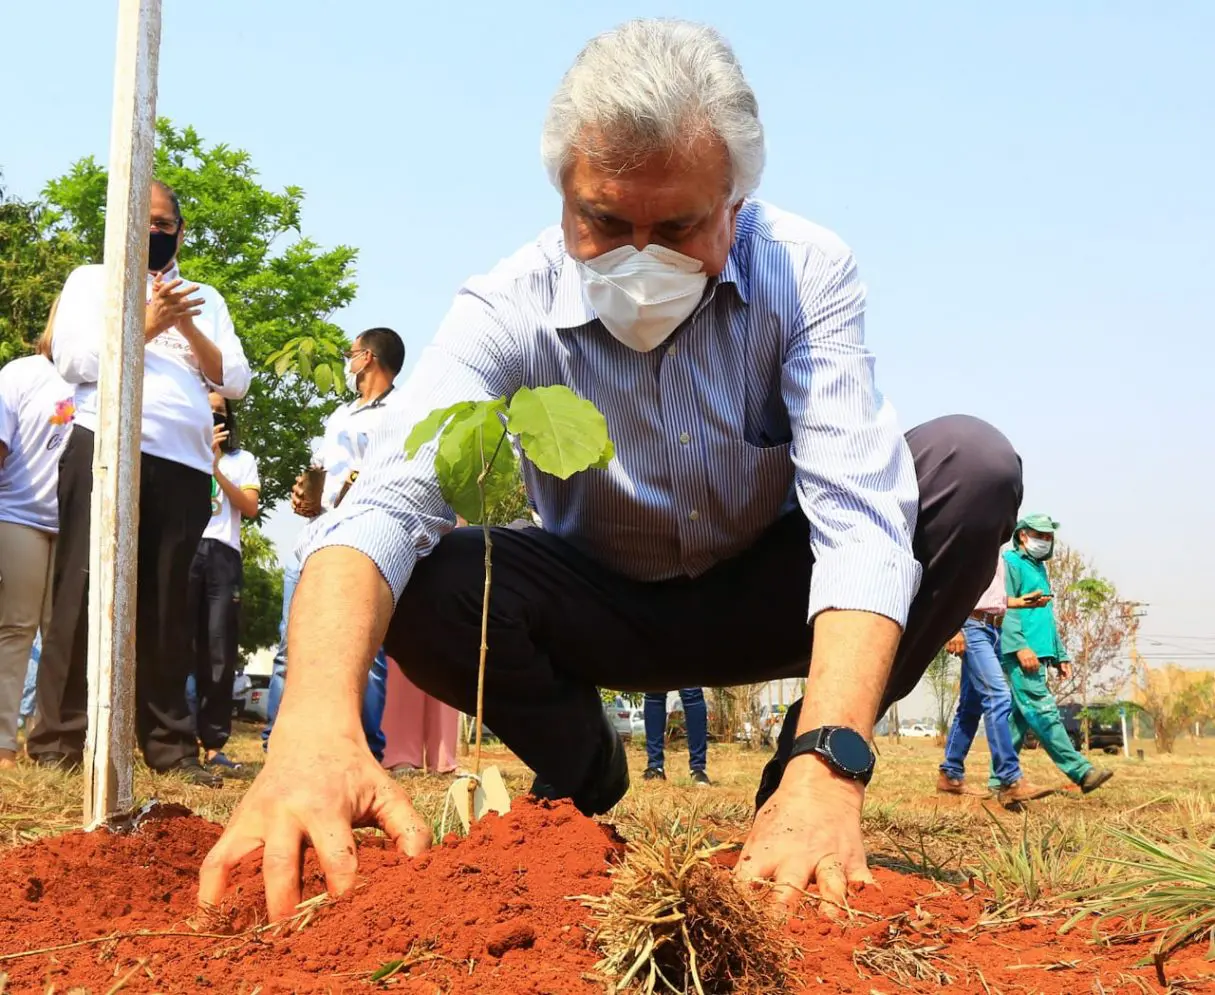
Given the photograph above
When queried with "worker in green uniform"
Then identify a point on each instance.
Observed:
(1030, 646)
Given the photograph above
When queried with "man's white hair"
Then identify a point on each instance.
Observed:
(652, 86)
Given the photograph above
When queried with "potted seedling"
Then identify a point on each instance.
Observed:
(477, 455)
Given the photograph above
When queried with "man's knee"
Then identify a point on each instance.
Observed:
(983, 466)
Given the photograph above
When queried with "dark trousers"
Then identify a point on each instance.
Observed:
(696, 725)
(214, 606)
(174, 507)
(561, 624)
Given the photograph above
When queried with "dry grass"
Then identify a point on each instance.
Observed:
(673, 919)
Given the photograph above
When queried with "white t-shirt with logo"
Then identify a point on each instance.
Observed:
(36, 413)
(241, 468)
(344, 446)
(176, 413)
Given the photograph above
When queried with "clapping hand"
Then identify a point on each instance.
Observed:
(171, 304)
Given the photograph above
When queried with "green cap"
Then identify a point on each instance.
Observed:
(1039, 523)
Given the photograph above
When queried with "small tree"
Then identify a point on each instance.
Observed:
(942, 678)
(261, 591)
(477, 468)
(1093, 624)
(1174, 699)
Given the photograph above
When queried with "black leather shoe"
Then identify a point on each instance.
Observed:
(70, 762)
(192, 772)
(605, 787)
(654, 774)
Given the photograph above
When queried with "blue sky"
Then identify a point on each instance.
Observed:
(1028, 189)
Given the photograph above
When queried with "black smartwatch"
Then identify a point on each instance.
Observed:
(842, 749)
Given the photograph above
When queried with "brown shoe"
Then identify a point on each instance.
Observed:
(1096, 777)
(1023, 791)
(947, 785)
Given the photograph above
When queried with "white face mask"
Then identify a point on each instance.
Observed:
(642, 297)
(352, 378)
(1039, 549)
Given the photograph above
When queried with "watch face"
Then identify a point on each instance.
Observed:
(849, 750)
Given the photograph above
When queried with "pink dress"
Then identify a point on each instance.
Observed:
(420, 730)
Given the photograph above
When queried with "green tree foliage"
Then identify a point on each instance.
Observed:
(281, 287)
(35, 259)
(261, 592)
(942, 678)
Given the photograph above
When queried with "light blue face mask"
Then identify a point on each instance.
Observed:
(1039, 549)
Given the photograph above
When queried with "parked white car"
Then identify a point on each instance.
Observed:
(917, 731)
(250, 697)
(628, 720)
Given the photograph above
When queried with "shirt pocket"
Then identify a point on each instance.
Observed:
(755, 484)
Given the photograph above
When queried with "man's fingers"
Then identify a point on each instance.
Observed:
(335, 850)
(860, 878)
(400, 820)
(281, 866)
(217, 867)
(832, 883)
(789, 884)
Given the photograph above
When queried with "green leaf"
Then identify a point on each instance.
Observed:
(323, 378)
(609, 453)
(428, 427)
(303, 364)
(282, 364)
(387, 970)
(460, 459)
(561, 433)
(307, 346)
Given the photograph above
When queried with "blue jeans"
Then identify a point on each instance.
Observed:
(377, 680)
(29, 691)
(696, 717)
(985, 695)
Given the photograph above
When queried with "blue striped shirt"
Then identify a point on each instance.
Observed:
(762, 399)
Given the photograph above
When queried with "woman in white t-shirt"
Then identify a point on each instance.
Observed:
(215, 583)
(36, 414)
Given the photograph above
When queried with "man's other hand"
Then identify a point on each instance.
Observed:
(957, 645)
(313, 788)
(171, 303)
(1028, 660)
(809, 831)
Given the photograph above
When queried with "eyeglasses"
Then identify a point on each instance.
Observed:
(165, 227)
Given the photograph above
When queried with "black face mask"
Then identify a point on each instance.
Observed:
(161, 249)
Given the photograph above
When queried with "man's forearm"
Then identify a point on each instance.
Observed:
(849, 667)
(339, 614)
(210, 359)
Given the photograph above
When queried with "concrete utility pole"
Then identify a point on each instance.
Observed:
(114, 539)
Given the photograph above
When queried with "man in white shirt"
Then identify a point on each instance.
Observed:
(191, 346)
(215, 585)
(35, 419)
(372, 365)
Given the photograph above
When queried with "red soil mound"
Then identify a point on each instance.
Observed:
(488, 914)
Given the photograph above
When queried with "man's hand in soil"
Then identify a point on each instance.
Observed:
(320, 778)
(1028, 660)
(809, 831)
(308, 795)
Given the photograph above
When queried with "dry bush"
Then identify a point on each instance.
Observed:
(673, 919)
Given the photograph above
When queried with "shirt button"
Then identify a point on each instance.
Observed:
(673, 351)
(685, 438)
(693, 514)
